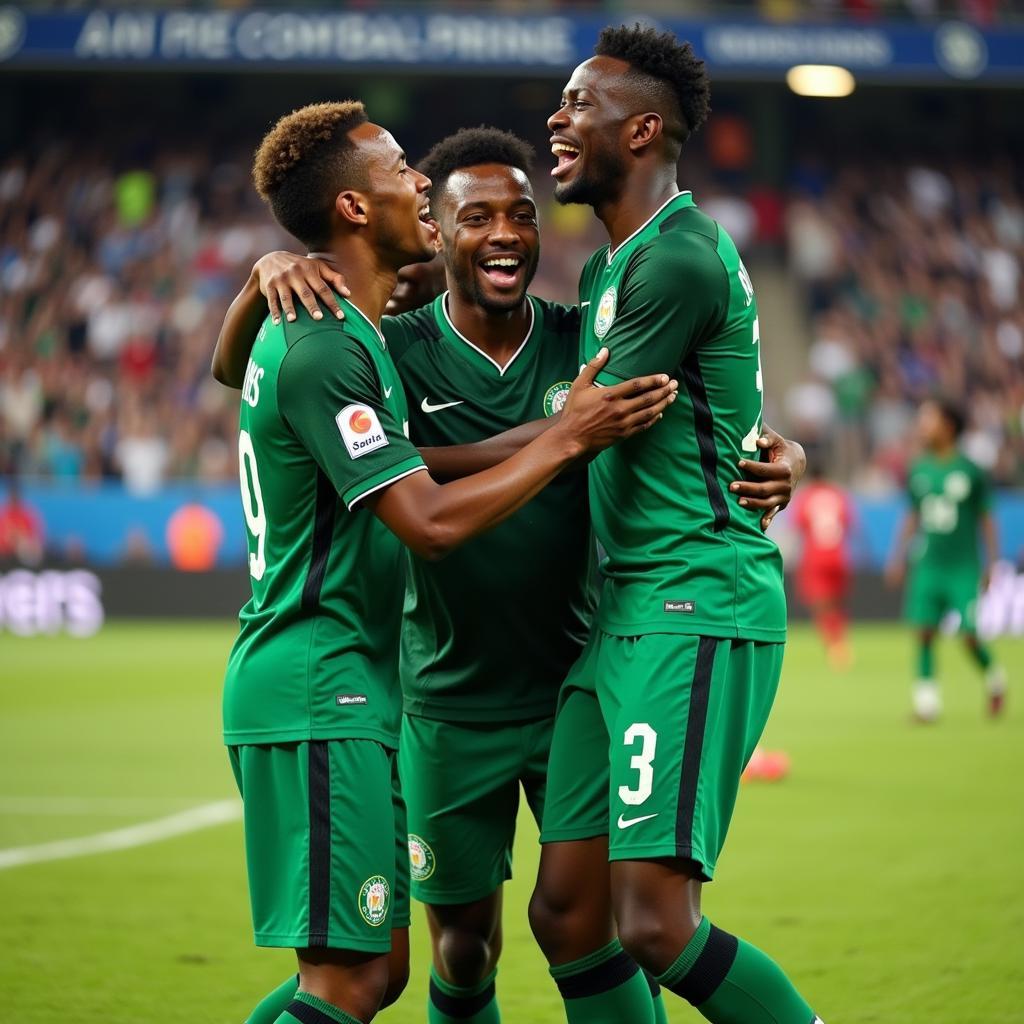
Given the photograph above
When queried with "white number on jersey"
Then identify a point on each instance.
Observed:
(750, 441)
(252, 503)
(640, 762)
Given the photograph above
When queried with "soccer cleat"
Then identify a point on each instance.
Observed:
(995, 684)
(927, 702)
(766, 766)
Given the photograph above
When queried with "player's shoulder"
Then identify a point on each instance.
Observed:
(319, 348)
(408, 330)
(558, 319)
(681, 253)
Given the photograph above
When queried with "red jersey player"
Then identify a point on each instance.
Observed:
(824, 516)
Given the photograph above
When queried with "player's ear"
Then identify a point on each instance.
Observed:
(644, 129)
(352, 207)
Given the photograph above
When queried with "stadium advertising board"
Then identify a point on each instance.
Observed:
(426, 39)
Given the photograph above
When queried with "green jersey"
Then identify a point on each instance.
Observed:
(323, 416)
(950, 497)
(491, 630)
(682, 556)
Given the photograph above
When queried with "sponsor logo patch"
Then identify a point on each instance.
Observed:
(421, 858)
(343, 699)
(605, 313)
(555, 397)
(360, 430)
(374, 900)
(681, 607)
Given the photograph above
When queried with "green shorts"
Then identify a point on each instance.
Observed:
(325, 843)
(932, 593)
(651, 736)
(461, 783)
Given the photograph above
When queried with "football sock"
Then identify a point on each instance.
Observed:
(981, 654)
(925, 660)
(307, 1009)
(660, 1014)
(272, 1006)
(728, 980)
(605, 987)
(449, 1004)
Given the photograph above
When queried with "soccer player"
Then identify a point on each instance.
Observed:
(824, 515)
(950, 503)
(661, 713)
(491, 631)
(331, 487)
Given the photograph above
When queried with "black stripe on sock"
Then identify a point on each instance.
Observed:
(704, 425)
(319, 843)
(696, 721)
(454, 1006)
(709, 971)
(652, 984)
(323, 534)
(308, 1014)
(602, 977)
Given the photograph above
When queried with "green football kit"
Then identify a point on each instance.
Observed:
(490, 631)
(312, 704)
(950, 497)
(659, 717)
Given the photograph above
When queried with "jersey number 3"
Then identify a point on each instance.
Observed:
(750, 441)
(252, 504)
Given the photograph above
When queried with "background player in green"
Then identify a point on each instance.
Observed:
(490, 696)
(950, 507)
(673, 690)
(311, 697)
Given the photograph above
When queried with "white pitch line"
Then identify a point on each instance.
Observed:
(192, 820)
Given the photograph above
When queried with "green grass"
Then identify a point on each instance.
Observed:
(884, 874)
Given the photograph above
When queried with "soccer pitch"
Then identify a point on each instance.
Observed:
(884, 873)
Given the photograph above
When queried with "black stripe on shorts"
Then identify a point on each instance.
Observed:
(700, 691)
(319, 843)
(704, 425)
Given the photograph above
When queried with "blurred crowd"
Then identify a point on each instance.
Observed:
(114, 280)
(914, 283)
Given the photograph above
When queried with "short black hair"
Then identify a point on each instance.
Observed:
(304, 161)
(952, 412)
(671, 64)
(471, 147)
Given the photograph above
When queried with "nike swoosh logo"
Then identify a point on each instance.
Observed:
(626, 822)
(387, 391)
(427, 407)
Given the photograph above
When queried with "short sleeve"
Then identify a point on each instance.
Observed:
(674, 293)
(328, 391)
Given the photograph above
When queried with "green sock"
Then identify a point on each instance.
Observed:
(271, 1006)
(925, 660)
(980, 653)
(605, 987)
(728, 980)
(449, 1004)
(307, 1009)
(660, 1014)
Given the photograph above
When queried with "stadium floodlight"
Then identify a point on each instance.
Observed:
(826, 80)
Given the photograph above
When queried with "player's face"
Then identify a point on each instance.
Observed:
(397, 194)
(931, 425)
(489, 230)
(587, 133)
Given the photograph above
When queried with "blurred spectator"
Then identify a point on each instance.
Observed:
(21, 530)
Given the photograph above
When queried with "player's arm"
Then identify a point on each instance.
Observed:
(896, 567)
(274, 280)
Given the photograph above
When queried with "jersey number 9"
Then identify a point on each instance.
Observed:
(252, 504)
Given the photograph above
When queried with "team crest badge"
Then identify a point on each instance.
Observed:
(555, 397)
(421, 859)
(605, 313)
(375, 900)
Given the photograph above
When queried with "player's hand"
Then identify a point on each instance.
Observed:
(770, 485)
(895, 571)
(597, 417)
(284, 275)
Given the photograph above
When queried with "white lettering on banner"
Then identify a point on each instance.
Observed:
(51, 601)
(760, 45)
(122, 34)
(1001, 607)
(184, 34)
